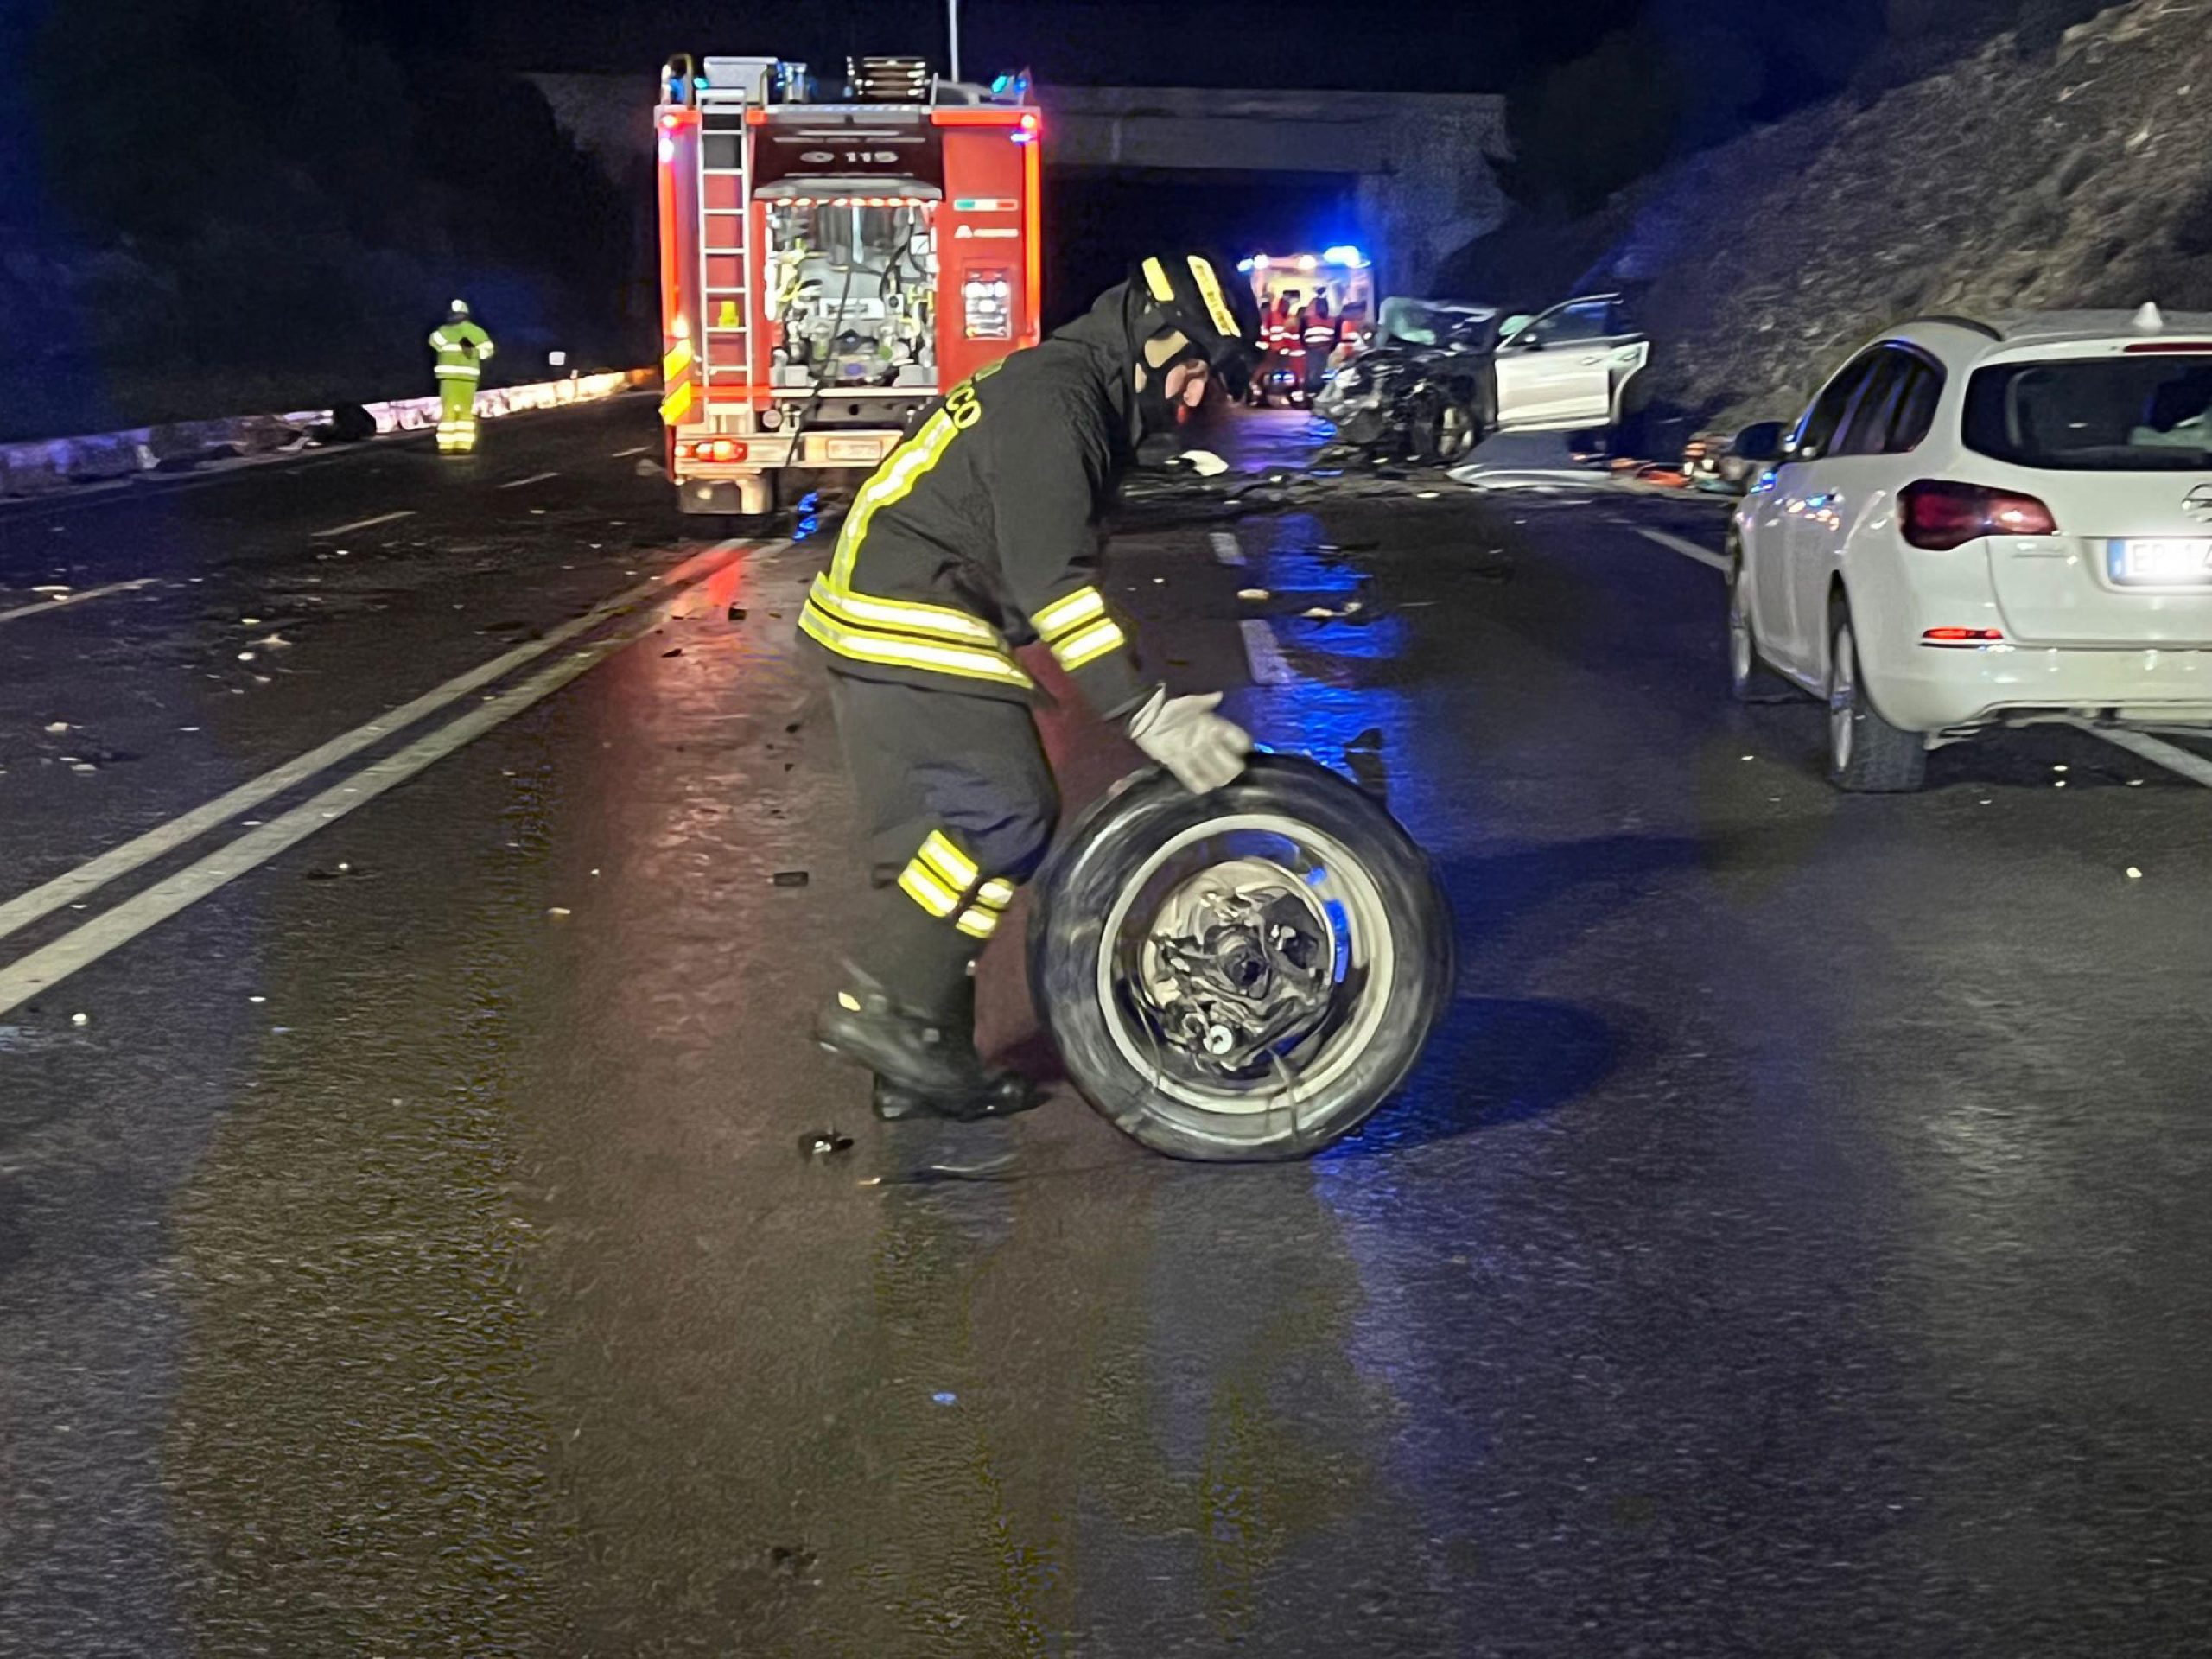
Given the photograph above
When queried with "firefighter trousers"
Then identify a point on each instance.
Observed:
(958, 804)
(457, 414)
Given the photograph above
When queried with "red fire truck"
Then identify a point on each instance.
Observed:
(830, 265)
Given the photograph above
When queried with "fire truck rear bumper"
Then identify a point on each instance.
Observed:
(766, 452)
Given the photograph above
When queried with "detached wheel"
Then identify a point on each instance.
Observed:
(1749, 680)
(1246, 975)
(1867, 754)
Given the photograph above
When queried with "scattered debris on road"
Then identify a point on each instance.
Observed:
(789, 879)
(824, 1143)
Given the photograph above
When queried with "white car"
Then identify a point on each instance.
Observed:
(1979, 523)
(1569, 366)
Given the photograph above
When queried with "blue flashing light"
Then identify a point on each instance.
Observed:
(1345, 254)
(1001, 83)
(1243, 265)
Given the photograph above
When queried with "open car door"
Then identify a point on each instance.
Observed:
(1564, 368)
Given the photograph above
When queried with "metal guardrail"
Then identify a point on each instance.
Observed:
(47, 465)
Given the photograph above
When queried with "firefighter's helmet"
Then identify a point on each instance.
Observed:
(461, 308)
(1184, 293)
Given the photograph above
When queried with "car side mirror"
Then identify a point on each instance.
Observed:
(1761, 442)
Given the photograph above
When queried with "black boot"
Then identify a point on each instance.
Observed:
(922, 1063)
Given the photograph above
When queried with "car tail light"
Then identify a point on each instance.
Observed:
(1962, 636)
(1940, 515)
(2148, 347)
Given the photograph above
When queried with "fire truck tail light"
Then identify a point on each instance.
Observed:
(712, 449)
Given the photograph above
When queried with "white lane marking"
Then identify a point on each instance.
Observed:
(1225, 550)
(625, 455)
(1263, 654)
(1687, 548)
(367, 523)
(2173, 758)
(21, 911)
(28, 975)
(60, 600)
(535, 478)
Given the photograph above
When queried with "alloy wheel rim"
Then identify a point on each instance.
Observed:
(1366, 968)
(1843, 699)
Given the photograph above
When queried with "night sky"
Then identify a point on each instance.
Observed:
(1413, 45)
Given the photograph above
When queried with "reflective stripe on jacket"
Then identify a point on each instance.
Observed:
(460, 347)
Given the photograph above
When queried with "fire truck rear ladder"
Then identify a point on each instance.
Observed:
(727, 347)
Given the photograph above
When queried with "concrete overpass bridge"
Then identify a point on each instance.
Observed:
(1407, 176)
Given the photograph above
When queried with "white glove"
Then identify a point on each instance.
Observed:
(1184, 735)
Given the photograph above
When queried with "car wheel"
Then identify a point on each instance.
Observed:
(1867, 754)
(1241, 976)
(1749, 680)
(1442, 431)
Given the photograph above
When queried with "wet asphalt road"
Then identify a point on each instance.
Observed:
(1793, 1244)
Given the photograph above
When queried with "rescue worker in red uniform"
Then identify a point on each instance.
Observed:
(1317, 335)
(981, 532)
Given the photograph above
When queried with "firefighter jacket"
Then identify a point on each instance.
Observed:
(982, 530)
(460, 347)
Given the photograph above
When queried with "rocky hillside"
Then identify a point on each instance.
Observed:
(2030, 174)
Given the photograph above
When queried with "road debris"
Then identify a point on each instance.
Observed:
(788, 878)
(56, 727)
(559, 913)
(2134, 875)
(673, 650)
(824, 1143)
(80, 1019)
(1254, 593)
(736, 612)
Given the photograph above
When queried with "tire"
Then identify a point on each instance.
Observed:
(1482, 403)
(1749, 680)
(1867, 754)
(1094, 938)
(1442, 429)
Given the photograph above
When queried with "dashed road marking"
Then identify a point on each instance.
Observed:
(535, 478)
(1263, 654)
(1225, 549)
(60, 600)
(71, 886)
(1687, 548)
(625, 455)
(368, 524)
(2172, 757)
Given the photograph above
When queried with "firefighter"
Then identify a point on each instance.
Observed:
(981, 532)
(461, 347)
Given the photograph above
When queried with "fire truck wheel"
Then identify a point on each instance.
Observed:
(1245, 976)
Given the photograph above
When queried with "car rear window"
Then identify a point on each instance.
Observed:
(2145, 414)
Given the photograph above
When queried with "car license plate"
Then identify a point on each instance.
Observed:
(855, 448)
(2162, 562)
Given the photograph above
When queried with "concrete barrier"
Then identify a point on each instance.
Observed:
(51, 464)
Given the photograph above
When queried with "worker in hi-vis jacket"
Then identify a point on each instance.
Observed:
(461, 347)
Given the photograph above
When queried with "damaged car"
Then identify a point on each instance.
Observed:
(1421, 391)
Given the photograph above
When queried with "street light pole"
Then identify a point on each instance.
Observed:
(952, 24)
